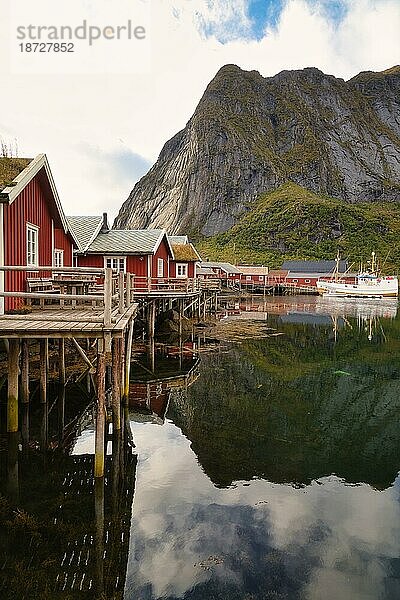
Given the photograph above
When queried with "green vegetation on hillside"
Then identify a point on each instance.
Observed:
(292, 222)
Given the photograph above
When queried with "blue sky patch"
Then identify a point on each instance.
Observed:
(264, 13)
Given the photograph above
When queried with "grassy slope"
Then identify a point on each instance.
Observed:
(292, 222)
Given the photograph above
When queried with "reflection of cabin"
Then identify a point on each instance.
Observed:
(150, 393)
(33, 228)
(185, 257)
(142, 252)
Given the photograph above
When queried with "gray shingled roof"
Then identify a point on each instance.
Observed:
(314, 266)
(227, 267)
(84, 229)
(178, 239)
(127, 241)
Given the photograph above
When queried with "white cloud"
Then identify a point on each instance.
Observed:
(65, 115)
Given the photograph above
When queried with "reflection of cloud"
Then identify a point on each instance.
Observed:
(271, 537)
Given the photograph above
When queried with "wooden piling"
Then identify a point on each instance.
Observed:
(99, 537)
(128, 358)
(13, 368)
(100, 414)
(25, 371)
(61, 387)
(116, 384)
(44, 350)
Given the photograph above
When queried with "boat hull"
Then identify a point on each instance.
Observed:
(385, 288)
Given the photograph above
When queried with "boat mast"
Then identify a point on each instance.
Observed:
(373, 264)
(337, 267)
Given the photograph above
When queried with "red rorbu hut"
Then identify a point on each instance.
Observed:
(146, 253)
(183, 264)
(33, 228)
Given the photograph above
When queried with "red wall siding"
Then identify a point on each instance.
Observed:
(137, 265)
(31, 206)
(162, 252)
(311, 281)
(91, 260)
(63, 242)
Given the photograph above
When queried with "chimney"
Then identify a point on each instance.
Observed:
(105, 228)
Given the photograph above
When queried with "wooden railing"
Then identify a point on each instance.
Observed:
(210, 284)
(99, 288)
(140, 286)
(80, 287)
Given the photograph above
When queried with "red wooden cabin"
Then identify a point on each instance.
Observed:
(224, 271)
(251, 275)
(183, 264)
(33, 228)
(145, 253)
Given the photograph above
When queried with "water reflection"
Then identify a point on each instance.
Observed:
(190, 539)
(266, 470)
(64, 535)
(276, 472)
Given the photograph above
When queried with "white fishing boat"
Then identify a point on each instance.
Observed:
(367, 284)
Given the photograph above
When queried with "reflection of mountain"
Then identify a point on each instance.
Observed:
(297, 407)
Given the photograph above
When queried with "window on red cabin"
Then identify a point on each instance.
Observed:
(116, 263)
(307, 280)
(260, 278)
(248, 277)
(160, 267)
(58, 258)
(295, 280)
(181, 270)
(32, 245)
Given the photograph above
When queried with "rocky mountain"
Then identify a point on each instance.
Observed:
(250, 134)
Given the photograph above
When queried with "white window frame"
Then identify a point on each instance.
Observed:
(58, 259)
(160, 267)
(182, 267)
(260, 278)
(248, 277)
(307, 281)
(32, 245)
(116, 263)
(295, 281)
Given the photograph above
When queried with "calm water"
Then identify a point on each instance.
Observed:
(268, 470)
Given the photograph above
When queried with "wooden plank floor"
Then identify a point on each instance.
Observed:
(65, 323)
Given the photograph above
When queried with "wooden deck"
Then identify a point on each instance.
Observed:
(78, 322)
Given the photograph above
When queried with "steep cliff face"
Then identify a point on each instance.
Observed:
(250, 134)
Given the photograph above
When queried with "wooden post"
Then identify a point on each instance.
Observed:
(116, 384)
(25, 372)
(121, 292)
(99, 536)
(25, 426)
(180, 309)
(115, 470)
(122, 368)
(61, 387)
(44, 350)
(128, 290)
(101, 413)
(13, 368)
(151, 318)
(107, 297)
(128, 358)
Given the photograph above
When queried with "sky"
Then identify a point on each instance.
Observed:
(103, 114)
